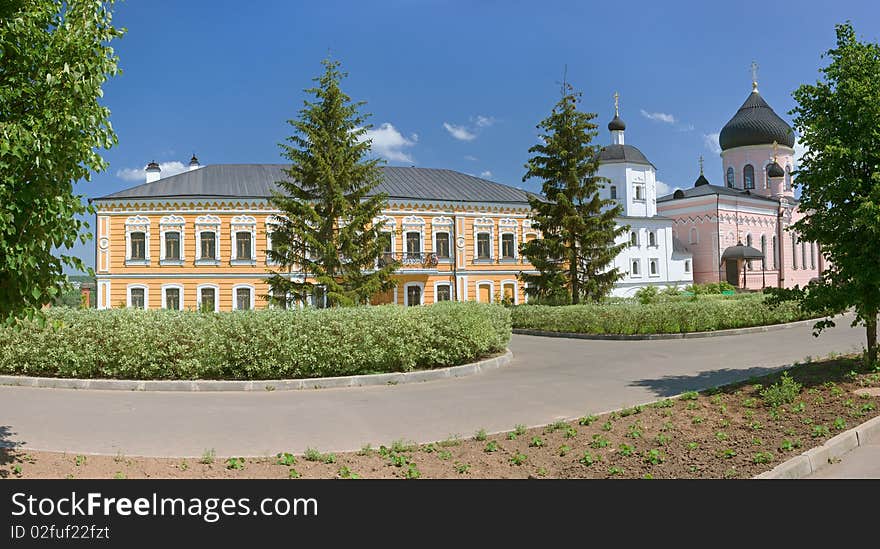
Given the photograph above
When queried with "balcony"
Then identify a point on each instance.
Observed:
(410, 260)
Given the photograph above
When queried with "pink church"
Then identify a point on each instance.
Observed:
(739, 231)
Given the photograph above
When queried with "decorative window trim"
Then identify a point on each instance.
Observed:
(135, 224)
(501, 233)
(443, 229)
(639, 196)
(656, 263)
(143, 287)
(389, 223)
(477, 233)
(612, 192)
(730, 177)
(656, 240)
(437, 285)
(243, 224)
(406, 288)
(507, 281)
(216, 289)
(693, 236)
(634, 242)
(491, 285)
(103, 301)
(637, 271)
(207, 224)
(745, 179)
(235, 296)
(171, 224)
(165, 288)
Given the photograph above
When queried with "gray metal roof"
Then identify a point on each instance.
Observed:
(709, 189)
(755, 123)
(258, 180)
(623, 153)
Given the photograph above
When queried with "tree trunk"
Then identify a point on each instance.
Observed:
(572, 273)
(871, 329)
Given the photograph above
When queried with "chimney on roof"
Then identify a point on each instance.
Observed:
(154, 172)
(194, 163)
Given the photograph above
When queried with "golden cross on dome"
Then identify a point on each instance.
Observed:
(616, 104)
(775, 148)
(754, 76)
(701, 164)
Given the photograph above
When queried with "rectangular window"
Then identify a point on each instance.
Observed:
(687, 265)
(243, 245)
(172, 299)
(613, 192)
(242, 299)
(137, 298)
(138, 245)
(639, 194)
(483, 246)
(444, 293)
(208, 245)
(413, 295)
(172, 245)
(507, 248)
(207, 300)
(413, 245)
(441, 245)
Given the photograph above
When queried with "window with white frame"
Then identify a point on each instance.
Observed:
(412, 293)
(442, 230)
(635, 268)
(413, 245)
(207, 229)
(171, 236)
(794, 261)
(172, 297)
(484, 227)
(206, 298)
(633, 238)
(137, 240)
(413, 237)
(442, 292)
(484, 246)
(653, 268)
(508, 291)
(652, 238)
(638, 192)
(138, 297)
(242, 298)
(613, 191)
(508, 246)
(243, 228)
(687, 265)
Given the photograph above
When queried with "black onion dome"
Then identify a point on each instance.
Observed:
(622, 153)
(701, 181)
(775, 170)
(755, 123)
(152, 166)
(616, 124)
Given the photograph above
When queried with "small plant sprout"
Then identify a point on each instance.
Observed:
(606, 426)
(564, 450)
(662, 439)
(690, 395)
(589, 459)
(412, 472)
(556, 426)
(635, 430)
(693, 445)
(729, 453)
(491, 446)
(536, 442)
(401, 446)
(80, 460)
(312, 455)
(599, 441)
(292, 473)
(235, 463)
(519, 429)
(820, 431)
(696, 420)
(208, 457)
(346, 473)
(16, 469)
(367, 449)
(570, 432)
(839, 424)
(762, 457)
(445, 455)
(452, 440)
(587, 420)
(119, 475)
(720, 436)
(518, 459)
(480, 435)
(541, 472)
(653, 457)
(286, 459)
(511, 435)
(625, 450)
(461, 468)
(614, 471)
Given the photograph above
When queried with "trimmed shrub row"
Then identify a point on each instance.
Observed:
(666, 317)
(264, 344)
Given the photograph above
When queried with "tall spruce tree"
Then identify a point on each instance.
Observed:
(839, 177)
(578, 227)
(326, 231)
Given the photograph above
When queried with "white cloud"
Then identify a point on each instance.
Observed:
(799, 151)
(389, 143)
(461, 133)
(711, 142)
(471, 158)
(658, 116)
(663, 188)
(486, 174)
(137, 174)
(483, 121)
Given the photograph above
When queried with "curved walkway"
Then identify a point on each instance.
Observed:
(549, 379)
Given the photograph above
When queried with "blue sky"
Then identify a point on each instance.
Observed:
(454, 84)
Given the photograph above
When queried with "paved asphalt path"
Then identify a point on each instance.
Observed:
(549, 379)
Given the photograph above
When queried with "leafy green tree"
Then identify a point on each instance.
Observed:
(326, 229)
(54, 58)
(578, 227)
(839, 176)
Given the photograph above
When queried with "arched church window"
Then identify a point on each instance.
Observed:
(794, 252)
(730, 178)
(764, 251)
(692, 239)
(788, 178)
(749, 244)
(775, 254)
(748, 177)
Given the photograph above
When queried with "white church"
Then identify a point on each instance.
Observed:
(653, 256)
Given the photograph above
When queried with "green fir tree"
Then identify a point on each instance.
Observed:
(578, 227)
(325, 239)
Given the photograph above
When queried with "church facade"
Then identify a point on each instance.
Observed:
(739, 231)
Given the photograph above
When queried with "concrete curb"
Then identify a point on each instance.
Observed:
(648, 337)
(261, 385)
(820, 457)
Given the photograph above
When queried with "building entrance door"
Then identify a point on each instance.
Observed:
(732, 271)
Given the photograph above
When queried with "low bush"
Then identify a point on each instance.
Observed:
(667, 316)
(263, 344)
(785, 391)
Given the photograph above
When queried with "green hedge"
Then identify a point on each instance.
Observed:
(666, 317)
(266, 344)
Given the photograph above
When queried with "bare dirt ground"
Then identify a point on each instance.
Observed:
(727, 432)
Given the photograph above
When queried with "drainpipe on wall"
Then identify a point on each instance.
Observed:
(780, 244)
(718, 237)
(454, 246)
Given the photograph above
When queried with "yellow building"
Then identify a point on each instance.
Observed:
(198, 239)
